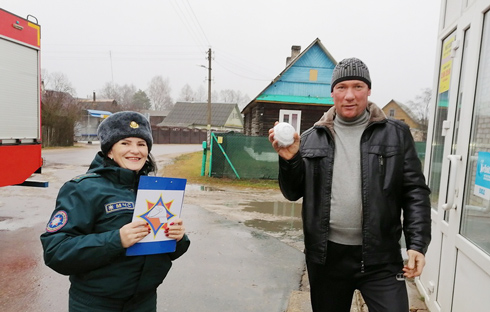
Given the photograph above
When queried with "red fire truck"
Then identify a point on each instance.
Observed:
(20, 98)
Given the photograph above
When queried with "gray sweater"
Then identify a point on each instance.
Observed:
(346, 202)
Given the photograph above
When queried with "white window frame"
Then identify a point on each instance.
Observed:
(286, 115)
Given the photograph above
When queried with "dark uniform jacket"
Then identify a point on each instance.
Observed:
(392, 182)
(82, 239)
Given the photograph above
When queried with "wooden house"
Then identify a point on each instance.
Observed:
(400, 111)
(300, 94)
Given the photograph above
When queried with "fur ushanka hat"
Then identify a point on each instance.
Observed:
(350, 69)
(122, 125)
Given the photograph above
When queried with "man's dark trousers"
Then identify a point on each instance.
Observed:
(332, 285)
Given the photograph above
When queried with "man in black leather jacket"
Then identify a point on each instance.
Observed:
(362, 185)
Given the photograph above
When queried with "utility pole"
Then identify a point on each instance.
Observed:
(209, 97)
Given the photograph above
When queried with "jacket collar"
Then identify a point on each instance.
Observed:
(375, 115)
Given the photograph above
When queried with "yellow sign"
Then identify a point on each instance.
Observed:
(446, 66)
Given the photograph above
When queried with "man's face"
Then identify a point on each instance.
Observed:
(350, 98)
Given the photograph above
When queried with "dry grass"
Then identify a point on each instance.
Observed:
(188, 166)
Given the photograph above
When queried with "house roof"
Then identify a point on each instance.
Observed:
(293, 84)
(407, 110)
(185, 114)
(152, 113)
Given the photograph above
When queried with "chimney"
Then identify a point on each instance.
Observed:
(94, 96)
(295, 51)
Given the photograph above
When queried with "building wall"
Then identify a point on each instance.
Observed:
(400, 114)
(260, 118)
(235, 120)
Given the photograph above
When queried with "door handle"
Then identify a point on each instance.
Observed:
(454, 161)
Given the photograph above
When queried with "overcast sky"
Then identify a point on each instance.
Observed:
(128, 42)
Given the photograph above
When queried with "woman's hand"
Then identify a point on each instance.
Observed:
(175, 230)
(133, 232)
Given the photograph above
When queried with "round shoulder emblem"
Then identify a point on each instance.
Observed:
(57, 221)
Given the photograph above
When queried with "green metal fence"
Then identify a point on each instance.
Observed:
(235, 155)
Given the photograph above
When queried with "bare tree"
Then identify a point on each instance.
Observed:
(159, 93)
(214, 97)
(59, 110)
(201, 95)
(186, 94)
(224, 96)
(228, 96)
(420, 105)
(420, 108)
(58, 82)
(122, 94)
(244, 100)
(127, 95)
(232, 96)
(109, 92)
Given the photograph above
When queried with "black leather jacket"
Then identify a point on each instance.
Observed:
(392, 183)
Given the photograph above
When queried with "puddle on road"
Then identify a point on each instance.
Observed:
(283, 209)
(289, 216)
(275, 226)
(288, 213)
(196, 187)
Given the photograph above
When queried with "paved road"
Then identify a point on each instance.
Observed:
(229, 267)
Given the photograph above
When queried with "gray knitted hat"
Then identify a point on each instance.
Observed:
(350, 69)
(122, 125)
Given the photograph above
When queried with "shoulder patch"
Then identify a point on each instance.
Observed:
(81, 177)
(57, 222)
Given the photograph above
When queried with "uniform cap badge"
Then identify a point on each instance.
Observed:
(134, 125)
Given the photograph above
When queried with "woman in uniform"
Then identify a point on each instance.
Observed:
(91, 226)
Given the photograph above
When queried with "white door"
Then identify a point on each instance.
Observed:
(457, 275)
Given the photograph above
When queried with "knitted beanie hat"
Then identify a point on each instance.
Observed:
(350, 69)
(122, 125)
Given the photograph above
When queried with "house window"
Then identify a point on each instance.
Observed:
(291, 116)
(392, 112)
(313, 74)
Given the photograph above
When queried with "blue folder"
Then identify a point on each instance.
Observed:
(162, 184)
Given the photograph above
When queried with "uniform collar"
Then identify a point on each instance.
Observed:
(111, 171)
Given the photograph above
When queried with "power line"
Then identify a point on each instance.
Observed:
(246, 66)
(197, 21)
(184, 18)
(246, 77)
